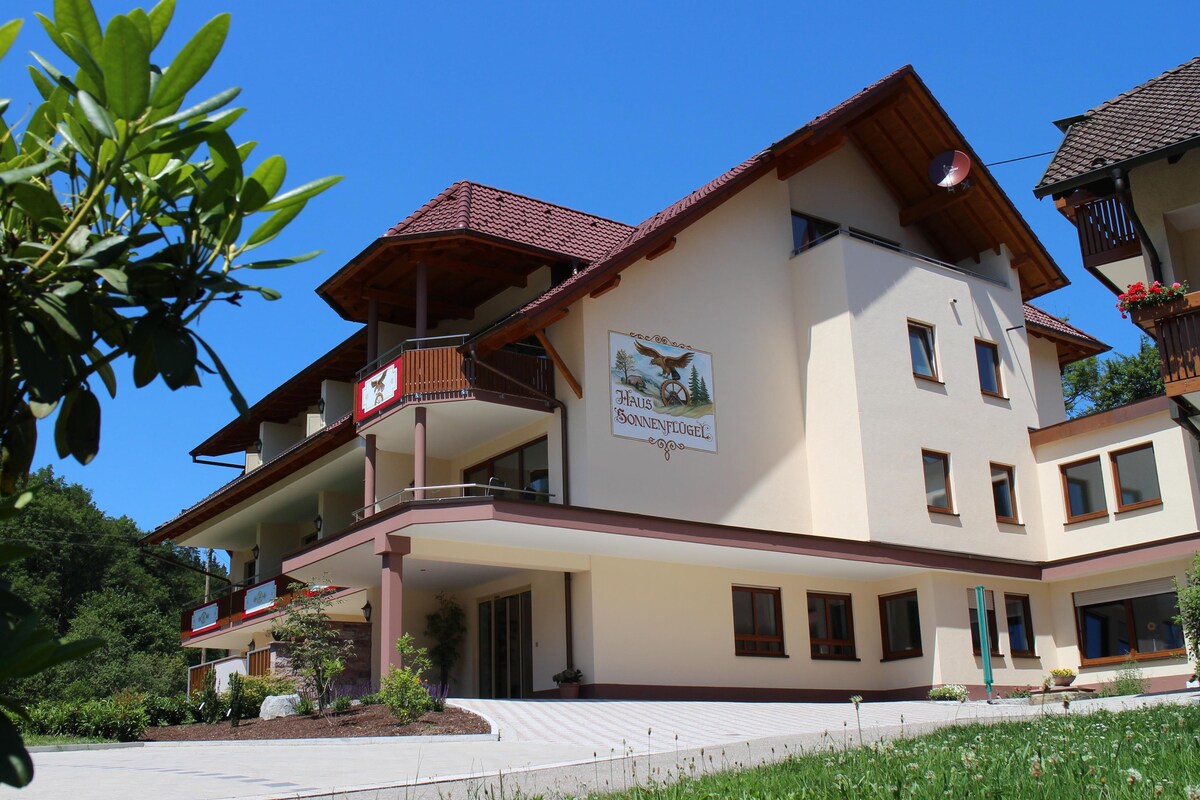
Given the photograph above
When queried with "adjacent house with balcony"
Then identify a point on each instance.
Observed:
(1126, 176)
(761, 445)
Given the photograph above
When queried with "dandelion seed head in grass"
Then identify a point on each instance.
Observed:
(1035, 767)
(1132, 776)
(1191, 792)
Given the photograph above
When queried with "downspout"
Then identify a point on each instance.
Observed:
(1121, 182)
(562, 417)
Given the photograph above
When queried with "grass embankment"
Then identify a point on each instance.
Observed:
(1147, 753)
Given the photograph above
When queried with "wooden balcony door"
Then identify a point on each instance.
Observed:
(506, 646)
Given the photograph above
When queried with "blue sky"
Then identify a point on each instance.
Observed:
(617, 109)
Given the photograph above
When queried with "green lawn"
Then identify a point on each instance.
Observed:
(1148, 753)
(35, 740)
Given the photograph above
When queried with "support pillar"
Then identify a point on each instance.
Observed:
(372, 330)
(369, 496)
(419, 429)
(570, 621)
(369, 476)
(391, 602)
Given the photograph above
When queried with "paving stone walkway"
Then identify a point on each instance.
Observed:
(552, 748)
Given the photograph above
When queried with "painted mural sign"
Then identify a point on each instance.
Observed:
(260, 598)
(662, 393)
(379, 390)
(205, 617)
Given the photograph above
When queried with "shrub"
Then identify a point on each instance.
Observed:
(211, 706)
(342, 703)
(257, 688)
(305, 706)
(1023, 691)
(951, 691)
(171, 710)
(121, 717)
(402, 689)
(437, 696)
(369, 699)
(1128, 680)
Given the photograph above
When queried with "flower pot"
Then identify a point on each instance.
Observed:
(568, 691)
(1150, 314)
(1064, 680)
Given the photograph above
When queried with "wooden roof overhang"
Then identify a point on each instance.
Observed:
(292, 397)
(898, 127)
(465, 268)
(1069, 348)
(251, 483)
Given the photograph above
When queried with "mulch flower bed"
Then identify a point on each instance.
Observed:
(367, 721)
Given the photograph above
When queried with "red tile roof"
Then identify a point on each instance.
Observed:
(1162, 113)
(515, 217)
(1073, 344)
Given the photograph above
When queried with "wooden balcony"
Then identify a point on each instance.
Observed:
(242, 605)
(1106, 234)
(1176, 327)
(428, 371)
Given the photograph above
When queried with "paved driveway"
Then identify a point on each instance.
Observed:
(551, 747)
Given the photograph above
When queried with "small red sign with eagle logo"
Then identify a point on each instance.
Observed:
(379, 391)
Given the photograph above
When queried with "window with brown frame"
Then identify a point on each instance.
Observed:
(987, 359)
(900, 625)
(757, 621)
(830, 625)
(936, 467)
(993, 629)
(1135, 477)
(1083, 490)
(524, 469)
(1004, 493)
(1020, 625)
(1129, 629)
(920, 347)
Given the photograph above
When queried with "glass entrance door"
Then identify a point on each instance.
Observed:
(506, 646)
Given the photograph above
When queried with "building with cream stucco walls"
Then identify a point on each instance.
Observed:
(762, 445)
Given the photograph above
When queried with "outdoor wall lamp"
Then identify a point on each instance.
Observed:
(366, 609)
(254, 552)
(255, 447)
(317, 523)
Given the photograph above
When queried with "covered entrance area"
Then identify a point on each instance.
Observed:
(505, 641)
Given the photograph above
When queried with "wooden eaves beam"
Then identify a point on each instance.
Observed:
(559, 364)
(810, 151)
(400, 300)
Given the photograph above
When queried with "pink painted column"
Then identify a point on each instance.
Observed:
(391, 598)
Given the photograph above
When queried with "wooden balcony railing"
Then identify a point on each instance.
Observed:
(438, 373)
(233, 609)
(1106, 234)
(1176, 327)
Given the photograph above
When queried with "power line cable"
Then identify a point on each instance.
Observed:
(1020, 158)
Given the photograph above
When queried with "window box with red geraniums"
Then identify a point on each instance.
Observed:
(1138, 296)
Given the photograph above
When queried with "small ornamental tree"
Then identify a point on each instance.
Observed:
(1189, 611)
(446, 627)
(317, 650)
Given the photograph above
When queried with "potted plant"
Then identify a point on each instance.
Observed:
(1063, 676)
(1148, 303)
(568, 683)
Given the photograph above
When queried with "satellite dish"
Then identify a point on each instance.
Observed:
(949, 169)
